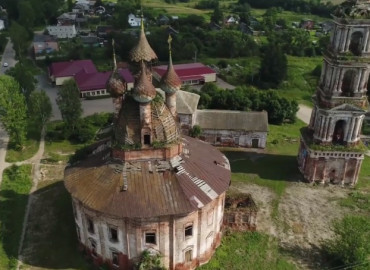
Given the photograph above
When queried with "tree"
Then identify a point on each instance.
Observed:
(274, 66)
(69, 104)
(20, 38)
(26, 14)
(24, 77)
(351, 244)
(13, 110)
(40, 108)
(217, 15)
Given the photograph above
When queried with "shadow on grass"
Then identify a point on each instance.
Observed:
(51, 240)
(266, 166)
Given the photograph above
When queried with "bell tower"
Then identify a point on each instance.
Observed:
(331, 149)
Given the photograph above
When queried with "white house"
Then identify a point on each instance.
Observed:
(134, 20)
(62, 31)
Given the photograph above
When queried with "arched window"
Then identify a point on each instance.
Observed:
(356, 43)
(347, 83)
(338, 135)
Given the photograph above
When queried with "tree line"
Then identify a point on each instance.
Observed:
(242, 98)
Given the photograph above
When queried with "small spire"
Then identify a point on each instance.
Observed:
(169, 46)
(142, 19)
(114, 56)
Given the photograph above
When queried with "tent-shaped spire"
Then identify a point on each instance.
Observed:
(170, 82)
(142, 50)
(116, 84)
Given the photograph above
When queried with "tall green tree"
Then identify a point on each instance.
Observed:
(217, 14)
(24, 77)
(26, 14)
(274, 66)
(69, 104)
(13, 110)
(20, 38)
(40, 108)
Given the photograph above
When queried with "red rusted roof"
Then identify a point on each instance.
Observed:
(186, 71)
(96, 183)
(71, 68)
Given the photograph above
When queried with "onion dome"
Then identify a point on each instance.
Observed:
(170, 82)
(142, 50)
(144, 90)
(116, 84)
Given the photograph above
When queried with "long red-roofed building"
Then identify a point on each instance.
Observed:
(192, 73)
(89, 81)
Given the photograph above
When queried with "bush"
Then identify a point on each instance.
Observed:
(195, 131)
(351, 245)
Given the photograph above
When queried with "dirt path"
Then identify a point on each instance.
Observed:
(305, 214)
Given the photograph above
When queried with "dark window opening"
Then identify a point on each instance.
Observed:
(90, 225)
(146, 139)
(255, 143)
(231, 219)
(188, 255)
(189, 230)
(356, 43)
(115, 260)
(347, 83)
(113, 233)
(338, 135)
(150, 238)
(245, 218)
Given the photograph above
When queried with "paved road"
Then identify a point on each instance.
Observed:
(89, 106)
(304, 113)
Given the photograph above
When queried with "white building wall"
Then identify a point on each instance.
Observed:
(61, 80)
(239, 137)
(209, 77)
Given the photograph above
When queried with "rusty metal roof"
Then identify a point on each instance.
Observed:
(142, 50)
(154, 188)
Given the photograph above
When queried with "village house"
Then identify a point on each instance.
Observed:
(62, 31)
(134, 20)
(190, 74)
(233, 128)
(59, 72)
(43, 45)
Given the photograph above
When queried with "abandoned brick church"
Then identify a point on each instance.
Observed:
(331, 149)
(149, 187)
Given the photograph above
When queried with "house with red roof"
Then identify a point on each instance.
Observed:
(62, 71)
(94, 84)
(190, 74)
(89, 81)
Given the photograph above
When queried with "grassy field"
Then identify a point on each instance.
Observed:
(29, 149)
(14, 191)
(250, 250)
(300, 84)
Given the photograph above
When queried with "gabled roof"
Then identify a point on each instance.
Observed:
(71, 68)
(186, 102)
(186, 71)
(44, 38)
(232, 120)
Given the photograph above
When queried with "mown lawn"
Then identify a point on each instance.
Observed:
(248, 250)
(14, 191)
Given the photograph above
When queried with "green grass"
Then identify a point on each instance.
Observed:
(357, 201)
(300, 84)
(282, 149)
(14, 191)
(248, 250)
(364, 177)
(29, 148)
(51, 234)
